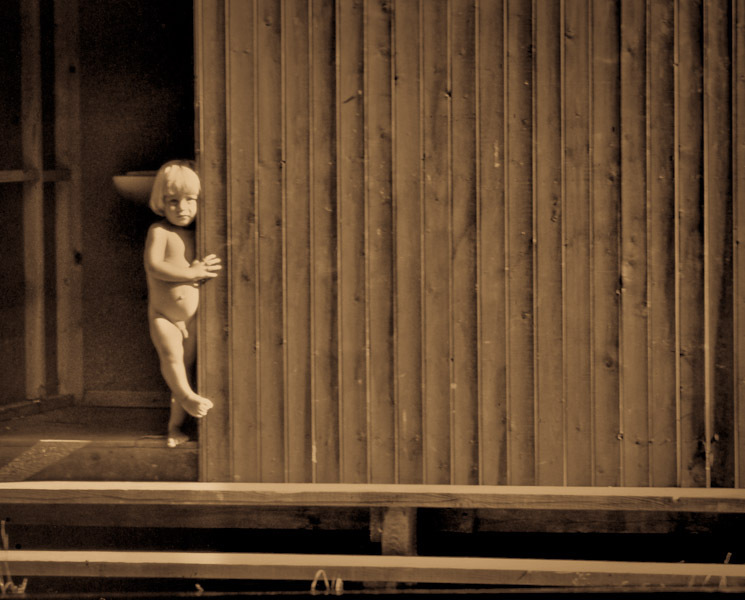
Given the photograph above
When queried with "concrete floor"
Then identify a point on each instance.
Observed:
(90, 443)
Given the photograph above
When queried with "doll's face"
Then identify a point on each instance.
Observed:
(180, 208)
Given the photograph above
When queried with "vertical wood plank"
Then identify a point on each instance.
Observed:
(689, 192)
(718, 242)
(297, 239)
(243, 274)
(379, 250)
(325, 345)
(662, 264)
(269, 137)
(549, 359)
(519, 241)
(68, 232)
(407, 200)
(738, 204)
(491, 256)
(352, 260)
(213, 350)
(578, 293)
(633, 348)
(33, 199)
(464, 316)
(605, 192)
(436, 238)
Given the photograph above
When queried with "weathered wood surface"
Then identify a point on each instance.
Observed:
(434, 496)
(68, 203)
(472, 241)
(738, 204)
(429, 569)
(214, 345)
(33, 201)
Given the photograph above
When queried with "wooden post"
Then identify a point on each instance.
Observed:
(213, 365)
(395, 528)
(68, 231)
(33, 198)
(398, 537)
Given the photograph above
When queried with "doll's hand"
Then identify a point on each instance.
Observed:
(205, 269)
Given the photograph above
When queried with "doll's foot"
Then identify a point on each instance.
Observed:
(176, 437)
(197, 406)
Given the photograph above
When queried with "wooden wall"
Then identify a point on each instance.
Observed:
(473, 241)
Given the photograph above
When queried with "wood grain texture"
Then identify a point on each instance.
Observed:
(492, 311)
(472, 241)
(738, 183)
(689, 191)
(297, 218)
(426, 569)
(379, 236)
(436, 240)
(605, 225)
(663, 259)
(209, 494)
(718, 243)
(409, 221)
(244, 346)
(33, 200)
(325, 454)
(548, 282)
(68, 231)
(633, 342)
(518, 239)
(577, 240)
(464, 390)
(351, 259)
(213, 346)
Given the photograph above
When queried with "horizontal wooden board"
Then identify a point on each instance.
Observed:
(717, 500)
(426, 569)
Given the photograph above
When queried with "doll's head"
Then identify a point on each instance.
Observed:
(174, 178)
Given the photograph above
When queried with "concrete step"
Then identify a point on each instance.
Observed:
(87, 443)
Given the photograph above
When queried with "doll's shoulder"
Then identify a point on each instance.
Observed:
(160, 228)
(159, 233)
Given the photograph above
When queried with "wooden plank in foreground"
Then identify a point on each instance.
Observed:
(496, 571)
(714, 500)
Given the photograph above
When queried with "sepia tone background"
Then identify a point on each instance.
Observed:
(467, 241)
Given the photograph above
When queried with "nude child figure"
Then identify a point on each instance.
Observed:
(174, 276)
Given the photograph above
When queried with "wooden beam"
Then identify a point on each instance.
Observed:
(214, 345)
(20, 176)
(713, 500)
(68, 229)
(423, 569)
(33, 199)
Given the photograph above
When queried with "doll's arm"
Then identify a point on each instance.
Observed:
(158, 267)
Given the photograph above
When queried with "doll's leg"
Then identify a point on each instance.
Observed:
(178, 414)
(169, 343)
(176, 418)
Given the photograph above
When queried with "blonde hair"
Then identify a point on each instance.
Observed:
(176, 176)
